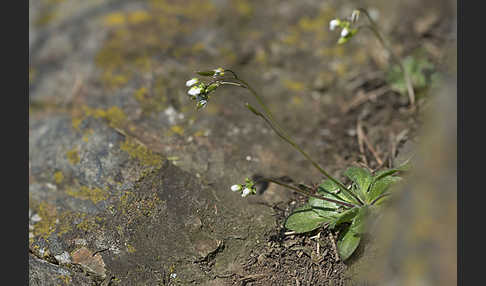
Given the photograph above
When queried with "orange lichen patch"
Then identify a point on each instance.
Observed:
(73, 156)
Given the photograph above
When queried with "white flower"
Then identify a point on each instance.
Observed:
(333, 24)
(218, 72)
(236, 188)
(192, 81)
(245, 192)
(195, 90)
(344, 32)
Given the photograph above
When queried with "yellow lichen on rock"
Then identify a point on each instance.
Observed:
(73, 156)
(114, 115)
(58, 177)
(85, 193)
(114, 19)
(47, 224)
(142, 153)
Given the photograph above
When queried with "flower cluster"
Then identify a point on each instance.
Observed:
(246, 189)
(200, 91)
(347, 31)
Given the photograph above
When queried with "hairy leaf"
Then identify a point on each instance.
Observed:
(334, 188)
(346, 216)
(348, 243)
(380, 186)
(304, 219)
(362, 178)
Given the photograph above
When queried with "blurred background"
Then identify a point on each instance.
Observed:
(109, 112)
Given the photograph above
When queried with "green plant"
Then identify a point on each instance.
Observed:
(417, 68)
(332, 203)
(350, 28)
(369, 191)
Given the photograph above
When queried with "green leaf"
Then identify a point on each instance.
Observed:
(360, 177)
(383, 173)
(416, 67)
(346, 216)
(325, 208)
(329, 186)
(348, 243)
(359, 221)
(380, 186)
(334, 188)
(304, 219)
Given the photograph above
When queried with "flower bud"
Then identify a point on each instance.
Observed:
(212, 87)
(333, 24)
(235, 188)
(218, 72)
(192, 81)
(245, 192)
(195, 91)
(344, 32)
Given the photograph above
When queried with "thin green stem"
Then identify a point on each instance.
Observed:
(293, 144)
(305, 193)
(374, 28)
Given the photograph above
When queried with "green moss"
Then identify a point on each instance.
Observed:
(142, 153)
(73, 156)
(95, 194)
